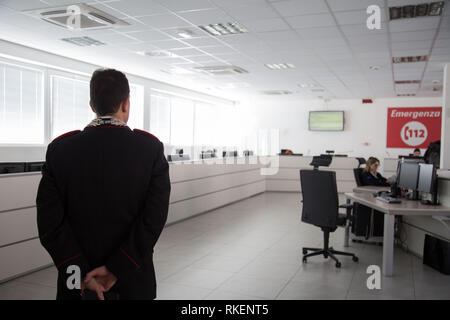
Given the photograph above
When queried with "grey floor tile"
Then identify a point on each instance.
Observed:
(257, 287)
(201, 278)
(226, 295)
(169, 291)
(314, 290)
(16, 290)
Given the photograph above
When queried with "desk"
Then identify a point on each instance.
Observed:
(405, 208)
(371, 189)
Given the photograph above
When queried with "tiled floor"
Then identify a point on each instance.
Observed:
(252, 250)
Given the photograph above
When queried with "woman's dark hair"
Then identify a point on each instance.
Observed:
(416, 149)
(370, 162)
(108, 88)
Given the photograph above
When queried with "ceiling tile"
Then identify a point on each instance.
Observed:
(319, 33)
(423, 23)
(164, 21)
(300, 7)
(264, 25)
(137, 8)
(203, 42)
(191, 5)
(261, 11)
(149, 35)
(169, 44)
(206, 17)
(413, 35)
(345, 5)
(355, 17)
(311, 21)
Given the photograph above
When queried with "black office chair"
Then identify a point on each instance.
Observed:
(321, 208)
(357, 172)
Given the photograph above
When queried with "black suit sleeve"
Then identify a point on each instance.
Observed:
(148, 225)
(54, 230)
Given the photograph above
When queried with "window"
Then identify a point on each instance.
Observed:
(182, 122)
(160, 117)
(136, 118)
(205, 124)
(71, 109)
(21, 105)
(70, 105)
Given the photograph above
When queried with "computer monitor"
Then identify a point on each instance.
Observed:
(177, 157)
(34, 166)
(427, 178)
(408, 175)
(229, 153)
(428, 182)
(12, 167)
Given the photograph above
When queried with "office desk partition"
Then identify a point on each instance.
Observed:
(405, 208)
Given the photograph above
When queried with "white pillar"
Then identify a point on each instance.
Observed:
(445, 131)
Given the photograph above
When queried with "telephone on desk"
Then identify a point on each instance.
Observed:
(386, 197)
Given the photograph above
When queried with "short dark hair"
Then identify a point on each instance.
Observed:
(416, 149)
(108, 88)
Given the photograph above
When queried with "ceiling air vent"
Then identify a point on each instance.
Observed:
(87, 17)
(277, 92)
(407, 81)
(409, 59)
(414, 11)
(222, 70)
(83, 41)
(406, 94)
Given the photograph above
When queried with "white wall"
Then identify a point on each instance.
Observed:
(364, 123)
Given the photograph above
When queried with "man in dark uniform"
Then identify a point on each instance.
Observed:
(103, 199)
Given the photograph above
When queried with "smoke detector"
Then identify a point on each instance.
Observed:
(222, 70)
(77, 17)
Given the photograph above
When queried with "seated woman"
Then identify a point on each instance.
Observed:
(370, 176)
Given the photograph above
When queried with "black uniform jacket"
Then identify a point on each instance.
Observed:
(368, 179)
(103, 200)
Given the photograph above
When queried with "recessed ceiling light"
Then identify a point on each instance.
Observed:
(220, 29)
(409, 59)
(279, 66)
(374, 68)
(277, 92)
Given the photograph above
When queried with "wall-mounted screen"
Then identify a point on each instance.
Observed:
(326, 120)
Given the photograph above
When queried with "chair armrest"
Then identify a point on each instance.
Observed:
(348, 208)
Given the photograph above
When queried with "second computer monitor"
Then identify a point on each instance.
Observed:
(408, 175)
(427, 178)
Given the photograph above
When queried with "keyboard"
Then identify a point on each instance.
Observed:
(388, 199)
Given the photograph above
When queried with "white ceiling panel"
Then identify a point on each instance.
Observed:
(203, 42)
(137, 8)
(169, 44)
(409, 52)
(311, 21)
(149, 35)
(423, 23)
(347, 5)
(244, 13)
(362, 30)
(187, 52)
(355, 17)
(413, 35)
(164, 21)
(300, 7)
(319, 33)
(407, 45)
(191, 5)
(203, 17)
(264, 25)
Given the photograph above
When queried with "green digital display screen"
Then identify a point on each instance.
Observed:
(326, 120)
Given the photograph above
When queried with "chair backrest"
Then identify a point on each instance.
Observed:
(357, 172)
(320, 197)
